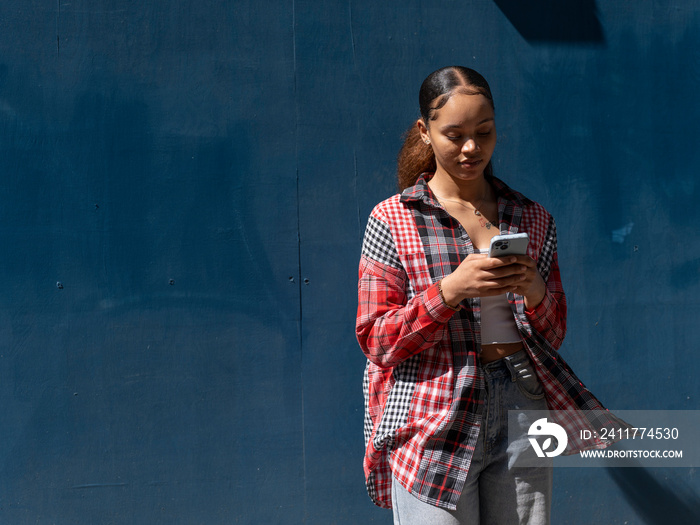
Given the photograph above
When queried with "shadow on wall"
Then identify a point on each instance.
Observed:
(656, 503)
(573, 21)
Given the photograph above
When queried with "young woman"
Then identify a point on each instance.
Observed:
(456, 339)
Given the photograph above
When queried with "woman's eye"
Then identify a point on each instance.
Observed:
(484, 133)
(453, 137)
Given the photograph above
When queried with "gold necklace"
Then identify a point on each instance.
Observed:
(482, 220)
(475, 210)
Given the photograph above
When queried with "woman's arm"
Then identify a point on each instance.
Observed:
(548, 318)
(390, 328)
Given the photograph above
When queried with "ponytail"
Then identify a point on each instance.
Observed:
(415, 158)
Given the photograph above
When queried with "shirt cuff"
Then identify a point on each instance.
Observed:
(436, 305)
(539, 312)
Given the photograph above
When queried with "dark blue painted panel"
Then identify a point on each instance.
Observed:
(184, 190)
(148, 166)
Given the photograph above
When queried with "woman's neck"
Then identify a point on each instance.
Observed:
(469, 191)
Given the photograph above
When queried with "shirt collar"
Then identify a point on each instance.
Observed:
(420, 191)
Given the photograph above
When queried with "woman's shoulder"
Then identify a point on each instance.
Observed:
(534, 217)
(529, 206)
(390, 209)
(535, 209)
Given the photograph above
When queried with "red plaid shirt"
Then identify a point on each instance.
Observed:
(423, 384)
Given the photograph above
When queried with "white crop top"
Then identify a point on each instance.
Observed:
(497, 321)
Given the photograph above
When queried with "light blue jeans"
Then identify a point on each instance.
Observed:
(496, 493)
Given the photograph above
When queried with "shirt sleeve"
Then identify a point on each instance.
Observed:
(390, 327)
(549, 317)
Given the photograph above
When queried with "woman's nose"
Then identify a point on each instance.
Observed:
(469, 145)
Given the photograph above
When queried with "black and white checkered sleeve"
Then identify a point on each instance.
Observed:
(549, 248)
(379, 245)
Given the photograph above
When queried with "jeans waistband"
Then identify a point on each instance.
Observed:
(508, 365)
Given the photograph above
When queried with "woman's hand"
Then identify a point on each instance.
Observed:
(482, 276)
(533, 287)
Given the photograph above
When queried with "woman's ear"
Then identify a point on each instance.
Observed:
(423, 130)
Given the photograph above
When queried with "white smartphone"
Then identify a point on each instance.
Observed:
(509, 244)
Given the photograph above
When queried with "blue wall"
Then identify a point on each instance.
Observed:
(184, 187)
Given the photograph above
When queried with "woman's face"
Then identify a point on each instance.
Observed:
(462, 135)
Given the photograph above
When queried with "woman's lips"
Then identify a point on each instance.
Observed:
(470, 163)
